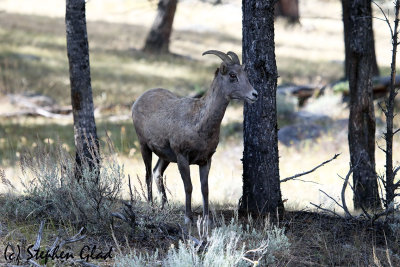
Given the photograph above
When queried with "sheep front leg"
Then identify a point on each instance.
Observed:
(204, 171)
(183, 166)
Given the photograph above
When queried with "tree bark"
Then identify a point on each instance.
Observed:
(158, 39)
(85, 134)
(362, 117)
(346, 33)
(391, 187)
(261, 184)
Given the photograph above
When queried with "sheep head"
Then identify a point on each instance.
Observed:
(233, 77)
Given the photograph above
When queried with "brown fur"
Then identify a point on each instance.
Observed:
(186, 130)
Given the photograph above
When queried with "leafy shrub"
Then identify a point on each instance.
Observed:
(226, 245)
(50, 190)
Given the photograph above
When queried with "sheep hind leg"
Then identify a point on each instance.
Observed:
(158, 173)
(147, 157)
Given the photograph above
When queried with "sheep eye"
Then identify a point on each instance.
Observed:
(232, 75)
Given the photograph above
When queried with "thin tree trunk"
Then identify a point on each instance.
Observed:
(261, 184)
(362, 116)
(346, 33)
(158, 39)
(85, 134)
(390, 186)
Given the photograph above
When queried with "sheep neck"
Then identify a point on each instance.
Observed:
(214, 107)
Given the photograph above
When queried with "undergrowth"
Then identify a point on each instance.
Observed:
(51, 191)
(233, 244)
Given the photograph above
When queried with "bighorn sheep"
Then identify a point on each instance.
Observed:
(186, 130)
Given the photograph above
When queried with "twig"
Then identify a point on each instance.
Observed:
(310, 171)
(385, 212)
(334, 200)
(381, 148)
(395, 173)
(39, 237)
(305, 181)
(326, 210)
(344, 205)
(73, 239)
(386, 18)
(361, 206)
(130, 188)
(141, 188)
(115, 240)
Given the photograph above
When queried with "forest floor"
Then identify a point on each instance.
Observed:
(33, 61)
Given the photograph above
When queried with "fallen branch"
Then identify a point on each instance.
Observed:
(344, 205)
(326, 210)
(37, 112)
(63, 242)
(39, 236)
(334, 200)
(294, 177)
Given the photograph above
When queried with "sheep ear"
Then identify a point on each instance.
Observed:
(223, 68)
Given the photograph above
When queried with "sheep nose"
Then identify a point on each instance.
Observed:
(255, 94)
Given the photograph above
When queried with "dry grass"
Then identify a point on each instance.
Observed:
(311, 52)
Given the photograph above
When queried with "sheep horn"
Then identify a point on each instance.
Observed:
(225, 58)
(234, 57)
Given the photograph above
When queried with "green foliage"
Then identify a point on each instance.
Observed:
(341, 87)
(33, 58)
(16, 137)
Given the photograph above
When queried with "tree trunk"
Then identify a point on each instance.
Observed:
(288, 9)
(346, 33)
(391, 187)
(158, 38)
(362, 116)
(261, 184)
(86, 141)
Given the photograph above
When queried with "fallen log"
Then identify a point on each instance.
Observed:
(56, 113)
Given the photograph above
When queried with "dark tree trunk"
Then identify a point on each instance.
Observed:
(362, 116)
(391, 187)
(157, 40)
(346, 33)
(261, 184)
(288, 9)
(86, 141)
